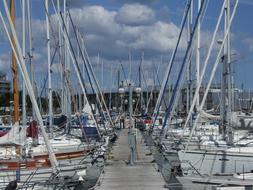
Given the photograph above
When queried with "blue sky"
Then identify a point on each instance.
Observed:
(113, 27)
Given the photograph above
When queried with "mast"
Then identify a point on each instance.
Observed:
(198, 55)
(110, 96)
(140, 81)
(59, 58)
(24, 57)
(118, 95)
(14, 69)
(130, 65)
(79, 87)
(50, 110)
(65, 63)
(188, 88)
(83, 68)
(15, 85)
(98, 62)
(226, 82)
(30, 51)
(227, 52)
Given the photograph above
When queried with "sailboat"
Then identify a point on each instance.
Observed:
(214, 157)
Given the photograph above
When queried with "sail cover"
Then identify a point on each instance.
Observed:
(16, 136)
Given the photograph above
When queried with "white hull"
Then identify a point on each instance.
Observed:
(68, 168)
(213, 162)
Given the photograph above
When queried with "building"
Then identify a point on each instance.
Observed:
(5, 85)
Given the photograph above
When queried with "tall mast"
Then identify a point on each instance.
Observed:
(140, 81)
(225, 82)
(229, 81)
(198, 55)
(24, 57)
(59, 58)
(189, 30)
(50, 110)
(30, 51)
(102, 75)
(98, 62)
(65, 63)
(110, 97)
(68, 96)
(82, 53)
(14, 68)
(79, 88)
(130, 65)
(15, 84)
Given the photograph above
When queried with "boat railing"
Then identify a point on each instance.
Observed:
(28, 180)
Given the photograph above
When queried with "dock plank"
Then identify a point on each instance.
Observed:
(119, 175)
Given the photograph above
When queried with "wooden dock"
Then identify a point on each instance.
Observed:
(119, 175)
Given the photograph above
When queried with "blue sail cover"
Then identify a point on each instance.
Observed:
(91, 131)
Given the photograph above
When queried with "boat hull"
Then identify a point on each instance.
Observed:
(215, 162)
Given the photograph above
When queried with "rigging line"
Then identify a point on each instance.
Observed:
(86, 68)
(175, 89)
(138, 73)
(102, 102)
(46, 78)
(153, 86)
(136, 105)
(75, 32)
(124, 73)
(168, 71)
(96, 83)
(144, 78)
(84, 62)
(159, 82)
(98, 87)
(184, 73)
(77, 66)
(203, 69)
(80, 77)
(136, 76)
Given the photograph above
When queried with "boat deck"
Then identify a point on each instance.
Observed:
(119, 175)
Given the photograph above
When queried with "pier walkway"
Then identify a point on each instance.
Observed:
(120, 176)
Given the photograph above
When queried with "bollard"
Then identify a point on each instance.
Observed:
(132, 146)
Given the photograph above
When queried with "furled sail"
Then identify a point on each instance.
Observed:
(87, 109)
(206, 115)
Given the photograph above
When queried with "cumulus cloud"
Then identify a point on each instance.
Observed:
(135, 14)
(112, 34)
(95, 20)
(160, 37)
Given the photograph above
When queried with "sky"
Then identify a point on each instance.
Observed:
(118, 29)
